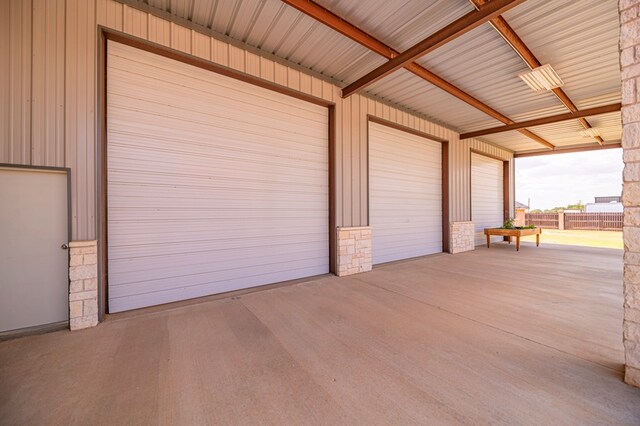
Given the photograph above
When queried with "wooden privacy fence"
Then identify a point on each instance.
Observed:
(585, 221)
(542, 220)
(594, 221)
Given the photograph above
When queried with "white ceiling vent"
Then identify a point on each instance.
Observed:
(542, 78)
(589, 133)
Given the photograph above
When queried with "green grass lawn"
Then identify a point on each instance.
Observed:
(606, 239)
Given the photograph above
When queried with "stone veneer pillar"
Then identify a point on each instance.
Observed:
(461, 237)
(561, 220)
(630, 66)
(354, 250)
(521, 217)
(83, 284)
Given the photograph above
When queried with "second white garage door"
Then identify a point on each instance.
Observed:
(213, 184)
(487, 203)
(405, 194)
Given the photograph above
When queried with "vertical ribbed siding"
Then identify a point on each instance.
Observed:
(80, 115)
(32, 37)
(460, 174)
(74, 54)
(48, 88)
(15, 122)
(5, 80)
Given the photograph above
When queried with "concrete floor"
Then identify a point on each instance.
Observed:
(490, 336)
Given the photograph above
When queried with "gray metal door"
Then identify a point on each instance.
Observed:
(34, 283)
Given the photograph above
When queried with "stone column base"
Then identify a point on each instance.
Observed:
(630, 66)
(83, 284)
(521, 217)
(632, 376)
(462, 237)
(354, 250)
(631, 336)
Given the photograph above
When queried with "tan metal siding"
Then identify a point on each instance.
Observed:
(110, 14)
(5, 80)
(159, 31)
(16, 138)
(79, 57)
(80, 115)
(48, 83)
(460, 174)
(136, 22)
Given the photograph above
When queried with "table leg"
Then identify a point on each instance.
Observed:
(488, 240)
(509, 239)
(517, 242)
(537, 240)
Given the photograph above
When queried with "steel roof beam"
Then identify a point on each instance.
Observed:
(545, 120)
(452, 31)
(349, 30)
(516, 43)
(583, 148)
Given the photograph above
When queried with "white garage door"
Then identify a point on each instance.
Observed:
(213, 184)
(405, 194)
(486, 195)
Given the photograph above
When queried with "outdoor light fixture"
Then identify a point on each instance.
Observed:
(542, 78)
(589, 133)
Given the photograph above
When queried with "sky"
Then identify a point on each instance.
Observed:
(560, 179)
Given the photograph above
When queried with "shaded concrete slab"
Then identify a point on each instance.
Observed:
(440, 339)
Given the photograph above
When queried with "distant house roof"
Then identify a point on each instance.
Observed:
(519, 205)
(609, 199)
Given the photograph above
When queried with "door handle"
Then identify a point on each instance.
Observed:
(64, 246)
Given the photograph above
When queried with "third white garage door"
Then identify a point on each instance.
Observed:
(487, 202)
(405, 194)
(213, 184)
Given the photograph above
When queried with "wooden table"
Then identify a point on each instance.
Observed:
(513, 233)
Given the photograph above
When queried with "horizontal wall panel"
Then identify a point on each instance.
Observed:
(405, 194)
(486, 195)
(213, 184)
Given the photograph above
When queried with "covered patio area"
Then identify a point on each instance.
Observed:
(491, 336)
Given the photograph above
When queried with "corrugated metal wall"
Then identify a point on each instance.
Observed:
(460, 175)
(48, 110)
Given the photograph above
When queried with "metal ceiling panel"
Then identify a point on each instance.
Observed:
(399, 24)
(566, 133)
(514, 141)
(202, 11)
(482, 64)
(328, 53)
(578, 38)
(610, 126)
(285, 32)
(413, 93)
(563, 133)
(276, 28)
